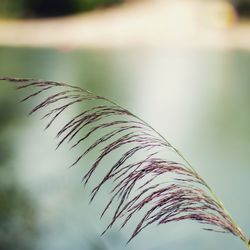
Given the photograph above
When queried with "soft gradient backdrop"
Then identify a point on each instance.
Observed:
(198, 99)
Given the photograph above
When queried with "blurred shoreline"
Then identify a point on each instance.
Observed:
(179, 23)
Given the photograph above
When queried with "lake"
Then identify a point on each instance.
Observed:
(198, 99)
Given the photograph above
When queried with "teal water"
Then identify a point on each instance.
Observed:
(199, 100)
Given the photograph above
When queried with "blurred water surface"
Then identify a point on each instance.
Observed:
(197, 99)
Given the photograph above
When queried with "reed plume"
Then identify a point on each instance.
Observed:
(136, 182)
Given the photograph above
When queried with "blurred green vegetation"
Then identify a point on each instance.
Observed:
(16, 218)
(47, 8)
(17, 213)
(242, 7)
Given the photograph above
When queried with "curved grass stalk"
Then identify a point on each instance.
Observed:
(136, 182)
(213, 194)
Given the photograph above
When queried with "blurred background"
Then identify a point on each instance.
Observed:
(188, 60)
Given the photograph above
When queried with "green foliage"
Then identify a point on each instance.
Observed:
(92, 4)
(11, 8)
(43, 8)
(242, 7)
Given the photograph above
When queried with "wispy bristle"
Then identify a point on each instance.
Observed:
(186, 197)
